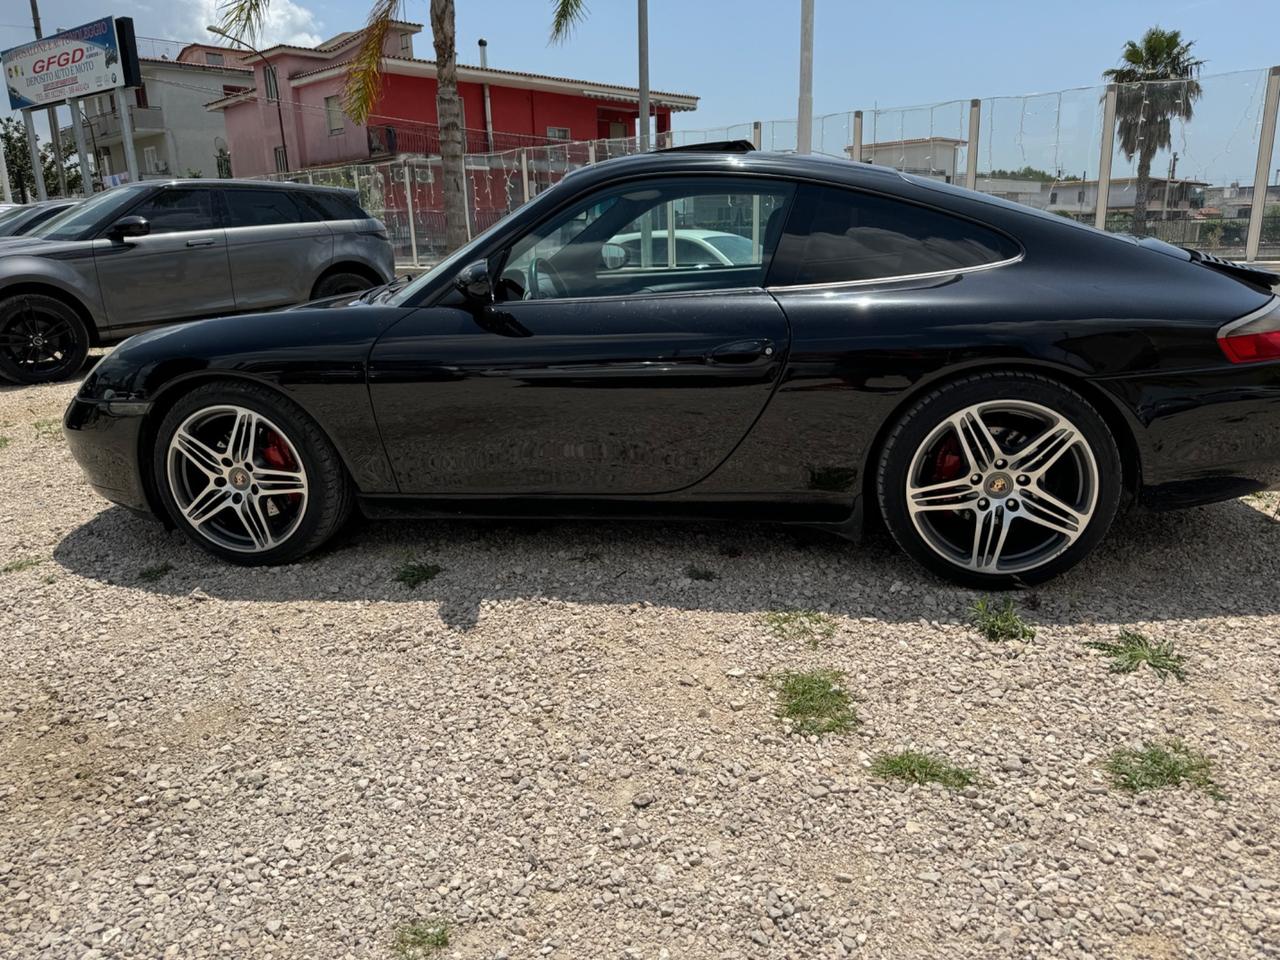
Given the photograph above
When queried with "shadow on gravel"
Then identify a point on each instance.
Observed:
(1213, 561)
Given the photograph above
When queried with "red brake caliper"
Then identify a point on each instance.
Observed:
(278, 457)
(947, 462)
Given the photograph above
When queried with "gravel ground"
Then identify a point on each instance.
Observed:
(564, 746)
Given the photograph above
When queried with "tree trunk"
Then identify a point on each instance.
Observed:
(1141, 189)
(449, 113)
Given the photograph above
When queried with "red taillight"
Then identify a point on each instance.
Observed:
(1254, 338)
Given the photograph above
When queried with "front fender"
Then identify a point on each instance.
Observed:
(72, 277)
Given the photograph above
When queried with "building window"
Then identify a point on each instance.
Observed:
(104, 161)
(213, 59)
(406, 43)
(273, 88)
(333, 114)
(558, 133)
(149, 160)
(140, 95)
(282, 164)
(224, 164)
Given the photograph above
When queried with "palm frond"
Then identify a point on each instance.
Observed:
(243, 18)
(566, 14)
(364, 78)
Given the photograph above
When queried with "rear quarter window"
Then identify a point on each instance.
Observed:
(840, 236)
(334, 206)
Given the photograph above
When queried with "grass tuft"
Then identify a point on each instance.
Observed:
(815, 702)
(808, 626)
(417, 940)
(695, 572)
(48, 430)
(415, 573)
(1161, 765)
(154, 573)
(4, 442)
(999, 623)
(914, 767)
(1131, 650)
(23, 563)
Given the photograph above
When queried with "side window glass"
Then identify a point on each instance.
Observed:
(843, 235)
(176, 209)
(260, 208)
(660, 236)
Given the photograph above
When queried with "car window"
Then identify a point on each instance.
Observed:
(175, 209)
(842, 235)
(260, 208)
(626, 234)
(332, 206)
(78, 222)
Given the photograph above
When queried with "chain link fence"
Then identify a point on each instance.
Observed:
(1181, 155)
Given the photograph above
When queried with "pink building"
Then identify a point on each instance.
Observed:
(502, 109)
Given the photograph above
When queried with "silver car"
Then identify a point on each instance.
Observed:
(161, 252)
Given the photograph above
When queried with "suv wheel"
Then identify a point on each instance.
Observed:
(339, 283)
(42, 339)
(1000, 479)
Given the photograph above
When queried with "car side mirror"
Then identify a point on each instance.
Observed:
(614, 256)
(127, 227)
(475, 283)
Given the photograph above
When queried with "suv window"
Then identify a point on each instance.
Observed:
(333, 206)
(842, 235)
(260, 208)
(597, 247)
(175, 209)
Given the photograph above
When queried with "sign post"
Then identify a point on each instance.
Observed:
(77, 128)
(94, 58)
(36, 169)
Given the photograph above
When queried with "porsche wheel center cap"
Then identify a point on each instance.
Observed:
(239, 478)
(998, 485)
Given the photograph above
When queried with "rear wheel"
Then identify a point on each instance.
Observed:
(1000, 479)
(248, 476)
(42, 339)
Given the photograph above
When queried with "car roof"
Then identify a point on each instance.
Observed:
(221, 183)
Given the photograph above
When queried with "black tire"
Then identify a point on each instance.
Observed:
(42, 339)
(902, 454)
(329, 497)
(339, 283)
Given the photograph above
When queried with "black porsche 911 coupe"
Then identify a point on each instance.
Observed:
(721, 332)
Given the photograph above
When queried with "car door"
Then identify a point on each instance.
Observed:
(591, 375)
(177, 271)
(278, 246)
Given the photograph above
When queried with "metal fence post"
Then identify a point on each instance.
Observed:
(975, 133)
(591, 152)
(1104, 159)
(856, 153)
(755, 133)
(1266, 143)
(408, 202)
(524, 173)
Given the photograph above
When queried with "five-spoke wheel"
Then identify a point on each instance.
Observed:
(42, 339)
(1000, 479)
(247, 475)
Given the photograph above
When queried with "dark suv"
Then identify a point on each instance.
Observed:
(157, 252)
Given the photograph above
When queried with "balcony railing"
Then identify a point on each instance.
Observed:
(389, 139)
(104, 126)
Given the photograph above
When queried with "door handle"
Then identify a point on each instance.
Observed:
(741, 351)
(202, 242)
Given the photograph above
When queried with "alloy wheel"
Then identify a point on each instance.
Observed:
(1002, 486)
(38, 343)
(237, 478)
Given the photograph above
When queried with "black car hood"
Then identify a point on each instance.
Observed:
(262, 346)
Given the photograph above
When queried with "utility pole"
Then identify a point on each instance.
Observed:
(1173, 165)
(804, 119)
(55, 135)
(642, 13)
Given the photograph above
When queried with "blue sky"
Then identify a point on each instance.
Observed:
(741, 56)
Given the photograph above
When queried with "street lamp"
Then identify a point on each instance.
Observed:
(284, 146)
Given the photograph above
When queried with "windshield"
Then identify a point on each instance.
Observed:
(449, 264)
(71, 224)
(11, 219)
(737, 248)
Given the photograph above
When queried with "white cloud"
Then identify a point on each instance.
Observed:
(285, 22)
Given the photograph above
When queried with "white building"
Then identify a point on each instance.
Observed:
(173, 134)
(927, 156)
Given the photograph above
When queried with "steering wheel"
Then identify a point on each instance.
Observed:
(540, 267)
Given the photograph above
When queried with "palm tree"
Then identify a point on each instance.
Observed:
(1158, 82)
(243, 20)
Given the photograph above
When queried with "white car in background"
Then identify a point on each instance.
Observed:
(694, 248)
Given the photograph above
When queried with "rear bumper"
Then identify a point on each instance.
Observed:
(104, 439)
(1204, 435)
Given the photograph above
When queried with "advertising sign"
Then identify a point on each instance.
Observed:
(74, 63)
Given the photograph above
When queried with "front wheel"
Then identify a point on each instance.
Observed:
(42, 339)
(248, 476)
(999, 480)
